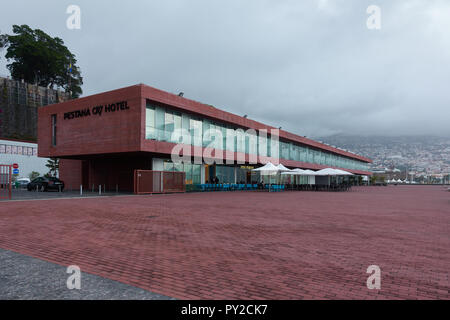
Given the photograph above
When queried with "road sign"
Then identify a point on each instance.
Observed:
(15, 166)
(16, 171)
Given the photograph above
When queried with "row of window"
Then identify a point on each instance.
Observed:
(229, 174)
(20, 150)
(167, 125)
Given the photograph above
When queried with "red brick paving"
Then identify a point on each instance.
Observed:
(252, 245)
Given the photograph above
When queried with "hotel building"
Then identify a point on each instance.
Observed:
(101, 139)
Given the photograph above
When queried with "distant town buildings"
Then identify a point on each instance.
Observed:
(424, 159)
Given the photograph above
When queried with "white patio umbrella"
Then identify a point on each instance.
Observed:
(294, 172)
(268, 169)
(327, 172)
(299, 172)
(343, 173)
(290, 173)
(282, 168)
(309, 172)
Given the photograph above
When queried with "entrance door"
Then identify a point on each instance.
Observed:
(212, 172)
(249, 177)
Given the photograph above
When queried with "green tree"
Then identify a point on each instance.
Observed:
(2, 40)
(33, 175)
(53, 165)
(38, 58)
(373, 180)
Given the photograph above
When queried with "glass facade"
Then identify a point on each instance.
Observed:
(193, 171)
(162, 123)
(225, 174)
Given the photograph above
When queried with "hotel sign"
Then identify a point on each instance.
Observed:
(97, 110)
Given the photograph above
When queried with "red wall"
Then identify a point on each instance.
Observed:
(70, 173)
(116, 172)
(110, 173)
(109, 133)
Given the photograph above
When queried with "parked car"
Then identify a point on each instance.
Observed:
(22, 182)
(45, 184)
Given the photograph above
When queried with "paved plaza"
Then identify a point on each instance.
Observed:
(238, 245)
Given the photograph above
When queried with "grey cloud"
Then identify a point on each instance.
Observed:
(311, 67)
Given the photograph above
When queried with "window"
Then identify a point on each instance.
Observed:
(196, 173)
(169, 126)
(168, 165)
(226, 174)
(53, 129)
(159, 123)
(188, 170)
(292, 151)
(195, 129)
(177, 120)
(169, 122)
(230, 140)
(240, 140)
(150, 122)
(262, 144)
(284, 154)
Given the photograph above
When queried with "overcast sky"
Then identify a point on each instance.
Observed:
(312, 66)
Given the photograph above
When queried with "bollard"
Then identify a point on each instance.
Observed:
(100, 190)
(81, 190)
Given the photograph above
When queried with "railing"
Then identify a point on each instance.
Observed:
(148, 182)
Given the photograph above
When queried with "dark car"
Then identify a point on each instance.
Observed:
(45, 184)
